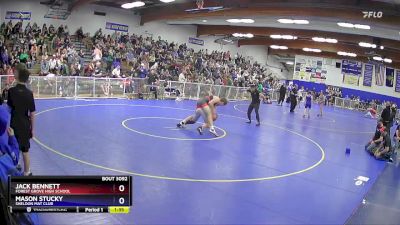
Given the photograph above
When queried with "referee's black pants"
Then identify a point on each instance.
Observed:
(293, 103)
(254, 106)
(281, 99)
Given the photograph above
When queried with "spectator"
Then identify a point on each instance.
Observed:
(22, 105)
(293, 99)
(384, 150)
(182, 77)
(385, 115)
(9, 145)
(376, 139)
(371, 112)
(116, 73)
(143, 72)
(393, 112)
(282, 94)
(396, 138)
(44, 68)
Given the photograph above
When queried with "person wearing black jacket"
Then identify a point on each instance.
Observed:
(282, 93)
(386, 115)
(152, 82)
(293, 99)
(393, 111)
(255, 103)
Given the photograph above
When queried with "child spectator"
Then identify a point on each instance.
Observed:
(22, 104)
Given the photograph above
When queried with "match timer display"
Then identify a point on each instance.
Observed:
(80, 194)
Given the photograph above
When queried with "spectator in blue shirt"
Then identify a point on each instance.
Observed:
(143, 72)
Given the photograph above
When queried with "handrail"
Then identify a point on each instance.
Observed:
(103, 87)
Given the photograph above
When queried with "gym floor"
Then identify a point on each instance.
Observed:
(289, 170)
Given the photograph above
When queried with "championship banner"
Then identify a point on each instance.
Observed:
(379, 75)
(117, 27)
(389, 77)
(397, 88)
(196, 41)
(13, 15)
(351, 71)
(368, 71)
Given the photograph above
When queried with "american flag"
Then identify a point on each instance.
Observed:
(379, 75)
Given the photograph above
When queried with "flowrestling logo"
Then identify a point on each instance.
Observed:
(372, 14)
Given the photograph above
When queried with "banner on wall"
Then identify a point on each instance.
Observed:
(389, 77)
(351, 72)
(196, 41)
(379, 75)
(14, 15)
(368, 70)
(310, 70)
(117, 27)
(397, 88)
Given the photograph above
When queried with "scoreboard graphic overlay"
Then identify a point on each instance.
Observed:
(75, 194)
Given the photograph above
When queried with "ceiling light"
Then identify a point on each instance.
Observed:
(367, 45)
(243, 35)
(133, 5)
(289, 63)
(290, 21)
(240, 21)
(311, 50)
(247, 21)
(328, 40)
(331, 40)
(286, 37)
(204, 21)
(347, 54)
(250, 35)
(301, 21)
(381, 47)
(278, 47)
(352, 54)
(275, 36)
(167, 1)
(360, 26)
(348, 25)
(378, 58)
(289, 37)
(127, 6)
(318, 39)
(233, 21)
(387, 60)
(287, 21)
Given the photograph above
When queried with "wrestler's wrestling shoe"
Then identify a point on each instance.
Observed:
(200, 130)
(212, 130)
(181, 125)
